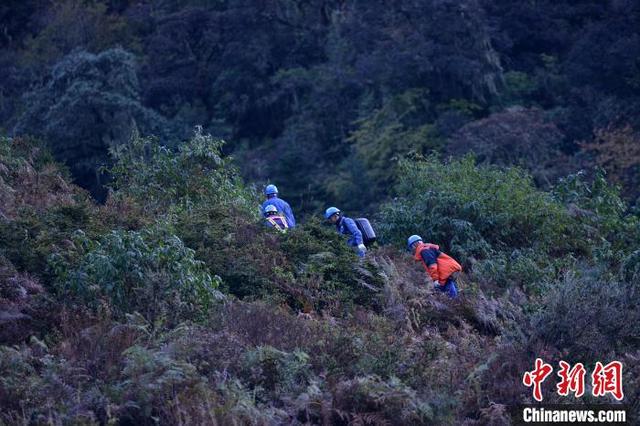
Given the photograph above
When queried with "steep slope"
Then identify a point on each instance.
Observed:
(172, 304)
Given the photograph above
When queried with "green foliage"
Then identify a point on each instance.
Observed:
(239, 249)
(501, 226)
(151, 272)
(29, 239)
(380, 140)
(89, 104)
(273, 373)
(199, 192)
(522, 268)
(76, 24)
(309, 268)
(150, 377)
(196, 173)
(310, 77)
(601, 215)
(327, 271)
(324, 98)
(591, 314)
(471, 210)
(630, 268)
(373, 400)
(39, 209)
(18, 378)
(463, 106)
(519, 88)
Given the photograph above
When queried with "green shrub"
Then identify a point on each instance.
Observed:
(161, 179)
(199, 192)
(150, 271)
(18, 378)
(472, 209)
(523, 268)
(372, 400)
(590, 314)
(274, 373)
(602, 220)
(504, 230)
(151, 378)
(519, 87)
(39, 209)
(328, 269)
(439, 218)
(310, 267)
(380, 138)
(231, 243)
(30, 238)
(630, 268)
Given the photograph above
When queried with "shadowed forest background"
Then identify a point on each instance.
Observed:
(139, 286)
(323, 97)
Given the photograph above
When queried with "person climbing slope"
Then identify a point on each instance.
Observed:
(347, 226)
(271, 191)
(275, 219)
(440, 267)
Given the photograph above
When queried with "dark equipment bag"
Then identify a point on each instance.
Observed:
(368, 235)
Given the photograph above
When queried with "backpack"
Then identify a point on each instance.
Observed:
(368, 234)
(278, 222)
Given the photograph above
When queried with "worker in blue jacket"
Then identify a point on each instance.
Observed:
(271, 191)
(347, 226)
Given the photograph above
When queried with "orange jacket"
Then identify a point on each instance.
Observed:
(438, 265)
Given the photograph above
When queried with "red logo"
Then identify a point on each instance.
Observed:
(608, 379)
(572, 379)
(536, 377)
(605, 379)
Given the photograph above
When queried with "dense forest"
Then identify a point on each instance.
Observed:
(324, 97)
(138, 284)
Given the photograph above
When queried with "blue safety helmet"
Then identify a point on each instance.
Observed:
(330, 212)
(270, 190)
(270, 209)
(412, 239)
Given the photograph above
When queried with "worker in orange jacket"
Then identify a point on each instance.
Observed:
(440, 266)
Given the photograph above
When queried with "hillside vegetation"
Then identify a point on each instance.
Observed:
(139, 286)
(172, 304)
(325, 97)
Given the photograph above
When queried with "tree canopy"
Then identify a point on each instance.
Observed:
(316, 95)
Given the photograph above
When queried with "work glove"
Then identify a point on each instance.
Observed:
(362, 250)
